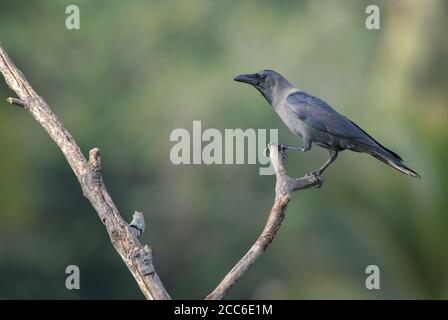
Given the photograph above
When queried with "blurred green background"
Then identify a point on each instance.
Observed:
(136, 70)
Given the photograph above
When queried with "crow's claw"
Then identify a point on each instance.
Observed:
(266, 151)
(284, 156)
(282, 148)
(317, 175)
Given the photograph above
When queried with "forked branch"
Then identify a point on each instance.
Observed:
(284, 188)
(124, 236)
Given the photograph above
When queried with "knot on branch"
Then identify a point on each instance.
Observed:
(137, 224)
(143, 257)
(117, 236)
(94, 169)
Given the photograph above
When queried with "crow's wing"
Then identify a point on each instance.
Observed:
(319, 115)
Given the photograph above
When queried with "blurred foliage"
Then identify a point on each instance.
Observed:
(136, 70)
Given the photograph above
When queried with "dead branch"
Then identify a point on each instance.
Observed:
(284, 188)
(138, 258)
(124, 236)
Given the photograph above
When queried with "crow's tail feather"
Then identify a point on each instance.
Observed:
(395, 162)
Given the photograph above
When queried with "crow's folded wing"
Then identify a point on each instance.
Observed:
(319, 115)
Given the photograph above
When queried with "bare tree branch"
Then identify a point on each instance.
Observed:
(284, 188)
(124, 237)
(138, 258)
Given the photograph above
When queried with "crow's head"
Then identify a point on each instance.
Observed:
(268, 82)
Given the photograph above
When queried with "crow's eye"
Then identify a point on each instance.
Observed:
(262, 77)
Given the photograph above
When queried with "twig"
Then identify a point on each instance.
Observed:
(137, 258)
(284, 188)
(16, 102)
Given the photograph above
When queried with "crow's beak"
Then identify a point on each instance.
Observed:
(247, 78)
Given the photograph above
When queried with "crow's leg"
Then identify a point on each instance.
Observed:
(283, 147)
(306, 146)
(333, 156)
